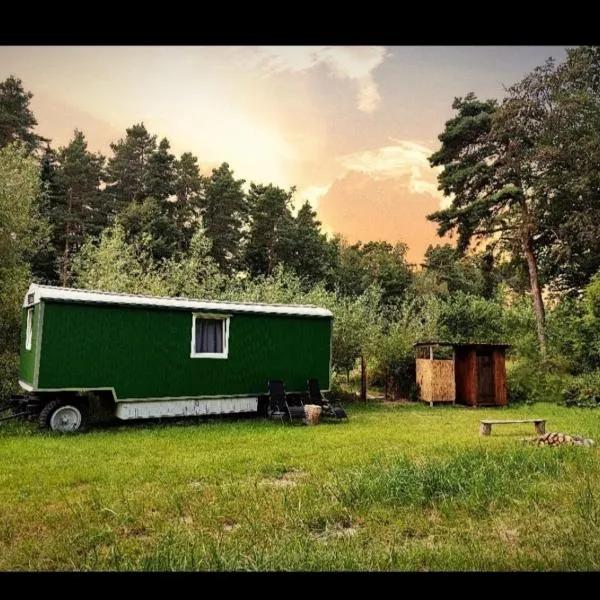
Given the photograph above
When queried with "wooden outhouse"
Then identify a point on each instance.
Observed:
(472, 374)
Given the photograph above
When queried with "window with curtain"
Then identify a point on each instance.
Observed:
(210, 335)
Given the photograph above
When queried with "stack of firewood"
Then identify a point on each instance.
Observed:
(554, 438)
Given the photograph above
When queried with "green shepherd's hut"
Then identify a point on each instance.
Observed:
(149, 357)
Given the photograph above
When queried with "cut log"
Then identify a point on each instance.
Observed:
(485, 428)
(312, 414)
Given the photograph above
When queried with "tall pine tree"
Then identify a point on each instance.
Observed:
(486, 160)
(17, 121)
(127, 170)
(224, 213)
(270, 238)
(80, 210)
(189, 189)
(43, 258)
(160, 175)
(311, 256)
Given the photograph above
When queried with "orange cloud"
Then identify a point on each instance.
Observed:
(404, 158)
(363, 207)
(385, 194)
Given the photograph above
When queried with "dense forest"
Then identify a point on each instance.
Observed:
(522, 175)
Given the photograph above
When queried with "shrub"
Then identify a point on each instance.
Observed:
(466, 318)
(531, 380)
(582, 390)
(9, 374)
(339, 393)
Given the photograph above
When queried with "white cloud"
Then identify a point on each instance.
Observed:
(405, 158)
(356, 63)
(313, 194)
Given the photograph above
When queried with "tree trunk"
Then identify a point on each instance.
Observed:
(363, 379)
(65, 257)
(536, 292)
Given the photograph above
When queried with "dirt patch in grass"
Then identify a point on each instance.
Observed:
(287, 478)
(79, 483)
(333, 534)
(509, 536)
(337, 531)
(324, 529)
(229, 525)
(134, 532)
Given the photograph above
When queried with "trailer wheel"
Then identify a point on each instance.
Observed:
(62, 416)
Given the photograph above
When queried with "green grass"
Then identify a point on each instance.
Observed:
(395, 488)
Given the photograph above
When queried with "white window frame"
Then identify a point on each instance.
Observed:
(225, 319)
(29, 328)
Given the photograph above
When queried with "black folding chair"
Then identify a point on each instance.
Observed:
(278, 405)
(316, 397)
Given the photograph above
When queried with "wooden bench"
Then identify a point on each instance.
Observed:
(485, 428)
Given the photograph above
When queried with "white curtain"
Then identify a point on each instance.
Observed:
(209, 335)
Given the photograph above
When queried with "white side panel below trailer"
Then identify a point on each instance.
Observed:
(184, 408)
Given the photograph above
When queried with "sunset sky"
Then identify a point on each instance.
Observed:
(350, 127)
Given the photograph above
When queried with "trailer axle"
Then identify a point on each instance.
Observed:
(21, 407)
(15, 416)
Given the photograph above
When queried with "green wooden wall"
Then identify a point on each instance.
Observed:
(145, 352)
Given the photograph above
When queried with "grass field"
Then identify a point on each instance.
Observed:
(395, 488)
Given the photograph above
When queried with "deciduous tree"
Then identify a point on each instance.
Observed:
(19, 185)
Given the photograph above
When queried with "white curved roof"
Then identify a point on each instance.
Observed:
(37, 292)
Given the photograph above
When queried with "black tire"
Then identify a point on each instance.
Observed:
(49, 409)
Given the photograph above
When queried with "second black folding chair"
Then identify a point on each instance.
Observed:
(316, 397)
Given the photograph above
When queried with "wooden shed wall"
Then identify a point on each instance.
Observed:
(465, 367)
(500, 378)
(436, 380)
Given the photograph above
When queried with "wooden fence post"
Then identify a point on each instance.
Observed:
(363, 379)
